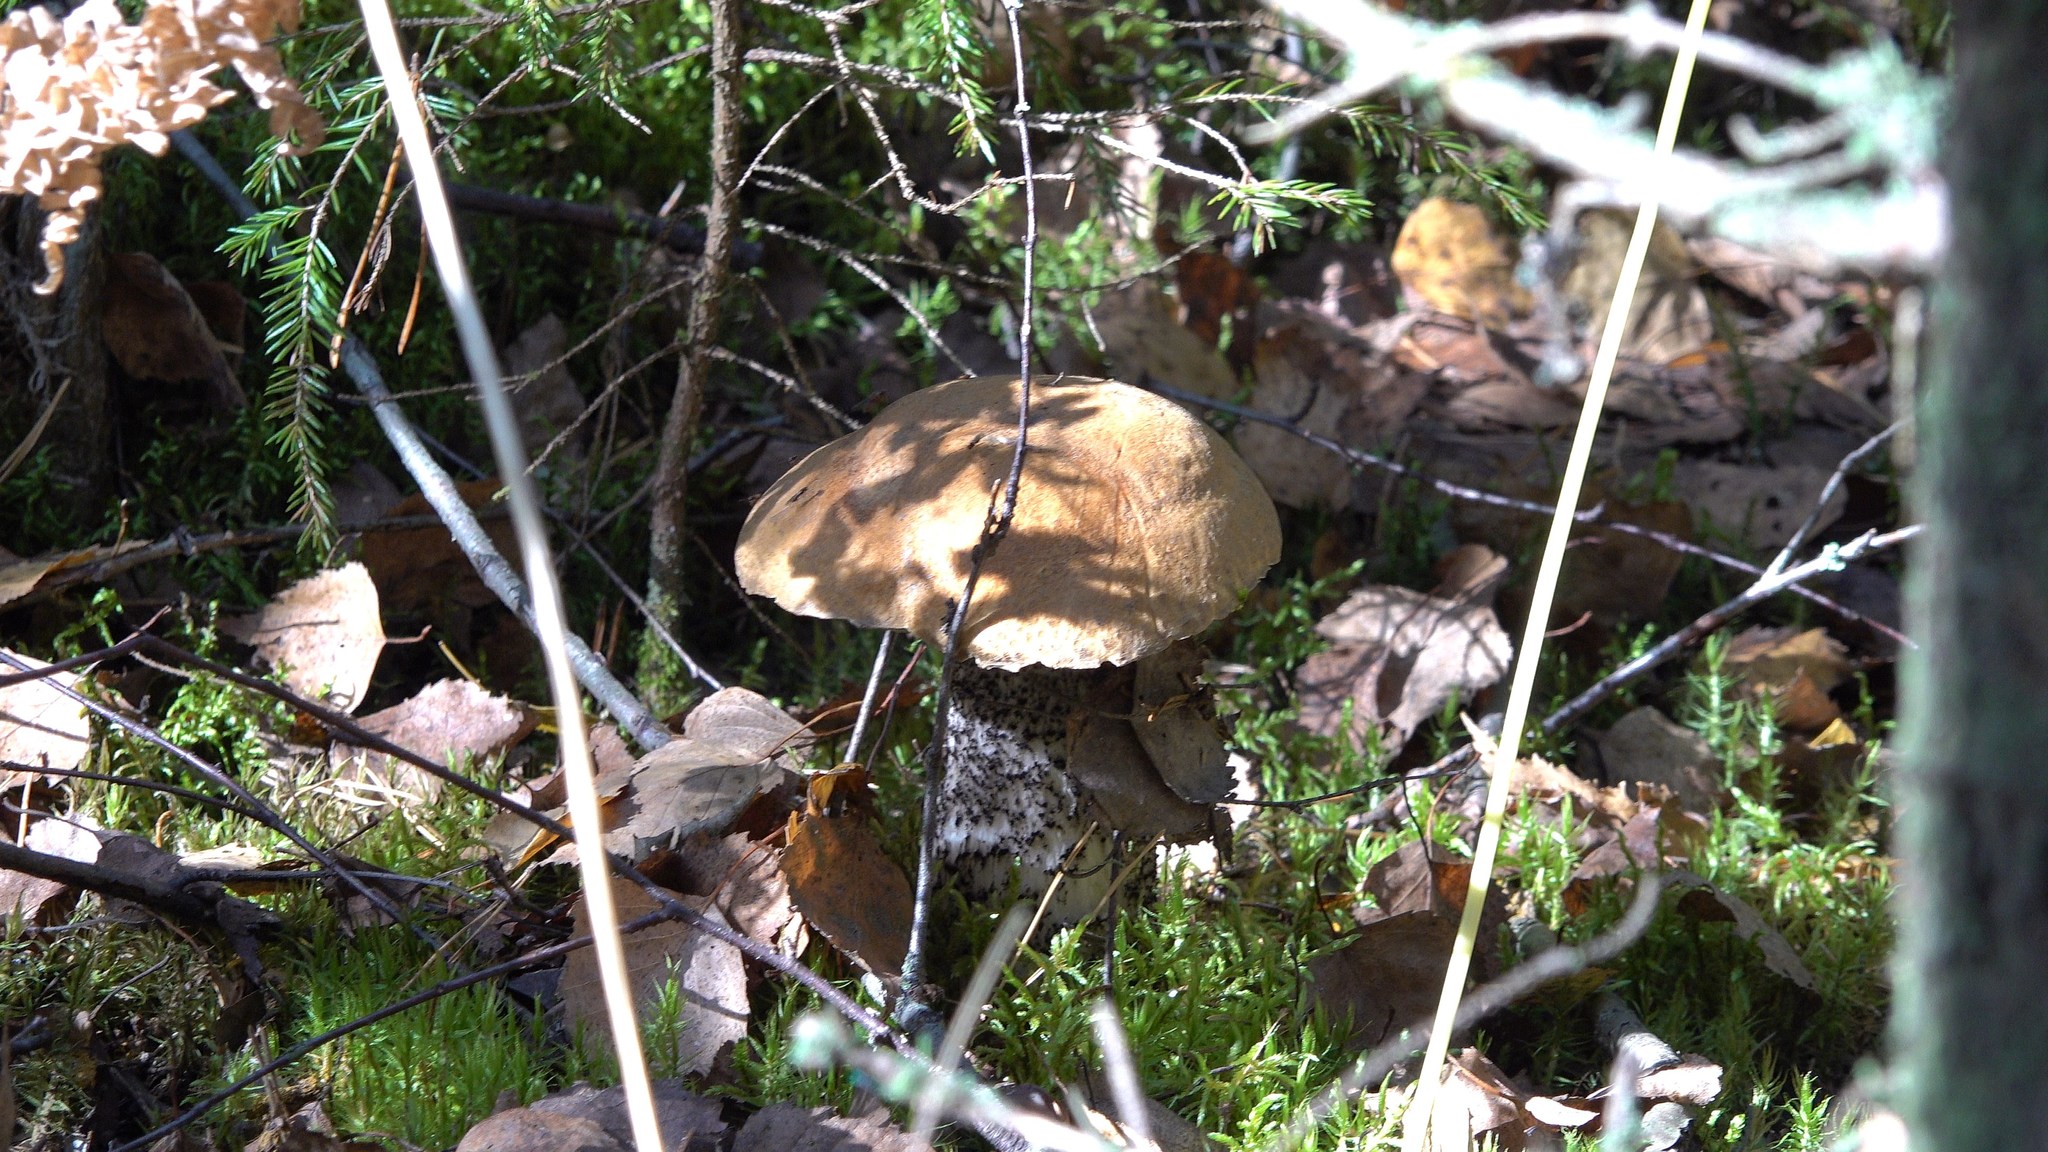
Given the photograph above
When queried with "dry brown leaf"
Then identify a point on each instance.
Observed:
(156, 332)
(784, 1127)
(1330, 381)
(709, 973)
(324, 633)
(1693, 1080)
(744, 879)
(746, 720)
(1770, 658)
(1760, 276)
(1449, 257)
(1349, 282)
(447, 721)
(686, 787)
(1476, 1100)
(1493, 405)
(845, 886)
(1174, 720)
(1141, 338)
(1109, 763)
(586, 1119)
(1646, 745)
(40, 727)
(1397, 656)
(1617, 576)
(1707, 902)
(1212, 287)
(19, 577)
(1387, 978)
(1668, 316)
(420, 571)
(1757, 505)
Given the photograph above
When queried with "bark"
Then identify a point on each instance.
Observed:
(1970, 1026)
(666, 595)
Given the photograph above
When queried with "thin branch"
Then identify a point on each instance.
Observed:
(676, 236)
(172, 890)
(1595, 515)
(1484, 1001)
(666, 593)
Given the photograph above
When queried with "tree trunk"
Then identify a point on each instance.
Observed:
(1971, 1020)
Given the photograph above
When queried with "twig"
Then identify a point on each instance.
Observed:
(1596, 515)
(1484, 1001)
(867, 697)
(666, 594)
(492, 567)
(1827, 493)
(262, 812)
(170, 890)
(1830, 559)
(676, 236)
(461, 521)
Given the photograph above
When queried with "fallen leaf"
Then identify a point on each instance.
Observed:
(746, 720)
(685, 787)
(1760, 276)
(1330, 382)
(1493, 405)
(1560, 1114)
(1345, 281)
(421, 573)
(1619, 576)
(324, 633)
(1705, 901)
(19, 577)
(1388, 977)
(844, 885)
(1758, 505)
(1475, 1100)
(1397, 655)
(447, 722)
(40, 727)
(1212, 287)
(1175, 721)
(1796, 669)
(709, 973)
(1646, 745)
(1142, 338)
(1668, 316)
(543, 392)
(1107, 760)
(743, 878)
(586, 1119)
(784, 1127)
(156, 333)
(1449, 257)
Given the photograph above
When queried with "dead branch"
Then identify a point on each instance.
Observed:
(173, 891)
(678, 237)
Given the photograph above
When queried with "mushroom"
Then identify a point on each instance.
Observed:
(1136, 526)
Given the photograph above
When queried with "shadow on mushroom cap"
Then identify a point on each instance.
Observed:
(1136, 524)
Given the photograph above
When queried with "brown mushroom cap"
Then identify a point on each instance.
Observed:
(1136, 524)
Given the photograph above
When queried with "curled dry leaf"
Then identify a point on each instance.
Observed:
(1795, 669)
(40, 727)
(324, 633)
(1449, 257)
(841, 881)
(710, 978)
(81, 85)
(784, 1127)
(1397, 655)
(1388, 977)
(448, 721)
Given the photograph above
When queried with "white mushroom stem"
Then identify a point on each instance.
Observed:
(1007, 800)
